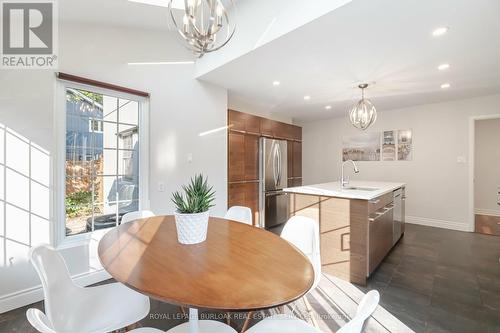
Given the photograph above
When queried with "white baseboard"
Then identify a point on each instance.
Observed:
(35, 294)
(460, 226)
(490, 212)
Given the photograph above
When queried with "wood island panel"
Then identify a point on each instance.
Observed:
(343, 233)
(359, 241)
(488, 224)
(335, 236)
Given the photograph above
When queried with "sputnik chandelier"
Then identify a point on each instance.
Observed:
(363, 114)
(204, 25)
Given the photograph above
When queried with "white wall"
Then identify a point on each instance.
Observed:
(243, 105)
(487, 166)
(438, 186)
(261, 21)
(181, 107)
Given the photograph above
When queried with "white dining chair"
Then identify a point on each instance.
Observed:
(139, 214)
(70, 308)
(303, 232)
(244, 215)
(42, 324)
(239, 214)
(287, 323)
(203, 326)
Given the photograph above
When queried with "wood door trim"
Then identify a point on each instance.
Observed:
(100, 84)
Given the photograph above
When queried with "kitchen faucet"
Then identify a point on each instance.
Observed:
(345, 181)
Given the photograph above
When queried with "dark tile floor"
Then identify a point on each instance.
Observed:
(434, 280)
(438, 280)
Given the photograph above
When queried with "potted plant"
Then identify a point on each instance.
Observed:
(192, 210)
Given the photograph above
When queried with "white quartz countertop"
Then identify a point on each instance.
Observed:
(363, 190)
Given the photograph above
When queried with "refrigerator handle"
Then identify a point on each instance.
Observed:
(275, 164)
(279, 165)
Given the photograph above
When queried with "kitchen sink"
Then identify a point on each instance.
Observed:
(359, 188)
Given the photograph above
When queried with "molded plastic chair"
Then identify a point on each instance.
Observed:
(239, 214)
(70, 308)
(204, 326)
(303, 232)
(244, 215)
(286, 323)
(140, 214)
(42, 324)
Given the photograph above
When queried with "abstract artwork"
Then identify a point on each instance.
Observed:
(389, 146)
(362, 147)
(405, 145)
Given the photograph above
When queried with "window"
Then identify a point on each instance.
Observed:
(95, 126)
(102, 159)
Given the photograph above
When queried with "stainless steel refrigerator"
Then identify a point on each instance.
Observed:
(273, 177)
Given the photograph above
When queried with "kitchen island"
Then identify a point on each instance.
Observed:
(359, 224)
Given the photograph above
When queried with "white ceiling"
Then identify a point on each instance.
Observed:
(386, 42)
(119, 13)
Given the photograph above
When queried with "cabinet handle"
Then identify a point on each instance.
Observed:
(374, 202)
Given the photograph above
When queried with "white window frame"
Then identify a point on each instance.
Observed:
(58, 232)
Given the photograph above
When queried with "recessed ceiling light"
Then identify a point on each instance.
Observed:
(328, 107)
(307, 97)
(440, 31)
(443, 67)
(445, 86)
(276, 83)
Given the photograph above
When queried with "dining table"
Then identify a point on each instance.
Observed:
(238, 268)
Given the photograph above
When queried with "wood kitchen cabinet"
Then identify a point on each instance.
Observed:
(244, 134)
(294, 151)
(239, 121)
(245, 194)
(266, 127)
(297, 159)
(243, 157)
(236, 156)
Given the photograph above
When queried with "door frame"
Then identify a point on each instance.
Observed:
(472, 146)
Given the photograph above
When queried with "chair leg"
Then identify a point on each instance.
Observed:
(183, 311)
(310, 312)
(131, 327)
(228, 318)
(247, 321)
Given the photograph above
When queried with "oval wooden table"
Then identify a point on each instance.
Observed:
(238, 268)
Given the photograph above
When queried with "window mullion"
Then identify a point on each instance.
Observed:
(92, 175)
(117, 199)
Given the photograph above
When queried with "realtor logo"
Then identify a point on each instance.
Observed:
(28, 34)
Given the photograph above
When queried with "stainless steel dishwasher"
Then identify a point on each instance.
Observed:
(399, 214)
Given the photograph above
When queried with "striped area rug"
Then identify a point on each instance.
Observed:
(334, 302)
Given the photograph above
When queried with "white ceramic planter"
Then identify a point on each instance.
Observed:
(191, 228)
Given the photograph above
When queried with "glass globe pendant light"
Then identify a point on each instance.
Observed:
(363, 114)
(203, 24)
